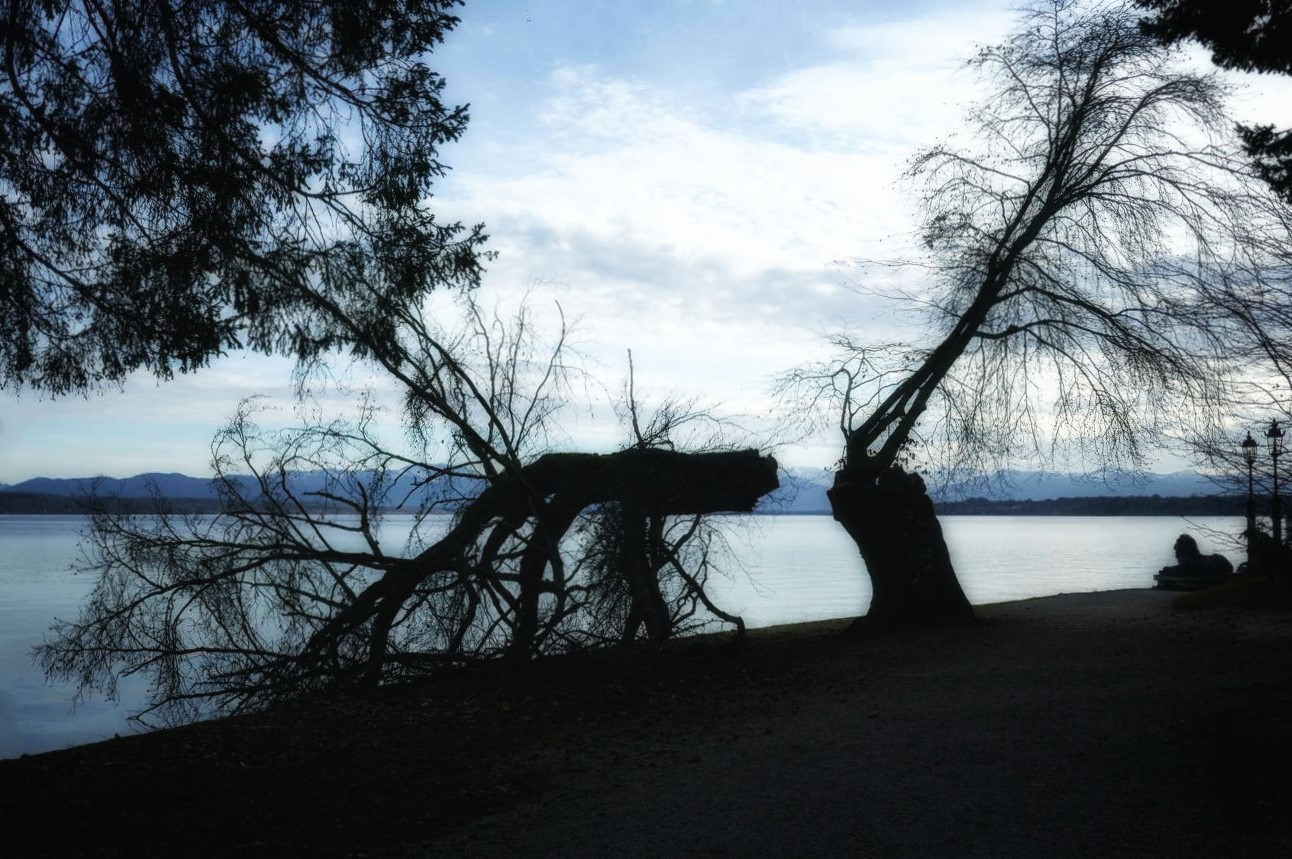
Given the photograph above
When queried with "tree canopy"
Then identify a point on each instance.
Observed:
(1094, 246)
(178, 179)
(1247, 35)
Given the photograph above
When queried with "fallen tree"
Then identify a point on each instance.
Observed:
(504, 550)
(295, 586)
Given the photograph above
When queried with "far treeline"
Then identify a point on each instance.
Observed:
(34, 503)
(1128, 505)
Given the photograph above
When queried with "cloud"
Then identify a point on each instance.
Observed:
(892, 86)
(707, 234)
(657, 182)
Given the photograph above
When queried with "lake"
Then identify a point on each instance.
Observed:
(790, 569)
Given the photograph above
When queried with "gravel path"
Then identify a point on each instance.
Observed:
(1081, 725)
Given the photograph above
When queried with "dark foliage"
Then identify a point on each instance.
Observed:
(1248, 35)
(178, 179)
(1251, 35)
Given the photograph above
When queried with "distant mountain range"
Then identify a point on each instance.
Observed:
(140, 486)
(62, 495)
(802, 491)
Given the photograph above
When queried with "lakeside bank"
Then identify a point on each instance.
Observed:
(1083, 724)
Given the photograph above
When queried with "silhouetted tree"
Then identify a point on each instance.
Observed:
(1094, 258)
(1247, 35)
(178, 179)
(294, 586)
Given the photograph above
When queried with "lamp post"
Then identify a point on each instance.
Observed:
(1274, 439)
(1249, 456)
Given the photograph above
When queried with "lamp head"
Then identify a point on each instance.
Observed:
(1274, 439)
(1249, 450)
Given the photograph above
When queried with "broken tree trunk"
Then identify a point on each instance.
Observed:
(646, 484)
(548, 494)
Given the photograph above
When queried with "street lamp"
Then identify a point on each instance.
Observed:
(1274, 439)
(1249, 456)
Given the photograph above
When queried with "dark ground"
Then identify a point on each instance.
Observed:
(1083, 725)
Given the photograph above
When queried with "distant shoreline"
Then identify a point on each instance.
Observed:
(36, 504)
(1128, 505)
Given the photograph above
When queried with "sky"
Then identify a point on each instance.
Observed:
(686, 179)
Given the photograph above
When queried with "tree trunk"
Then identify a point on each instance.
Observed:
(642, 575)
(890, 517)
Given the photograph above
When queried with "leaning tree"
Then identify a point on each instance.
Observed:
(1093, 259)
(179, 179)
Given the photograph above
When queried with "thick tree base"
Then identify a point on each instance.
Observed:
(890, 517)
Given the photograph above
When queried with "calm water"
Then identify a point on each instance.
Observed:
(794, 568)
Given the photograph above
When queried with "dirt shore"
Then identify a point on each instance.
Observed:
(1104, 724)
